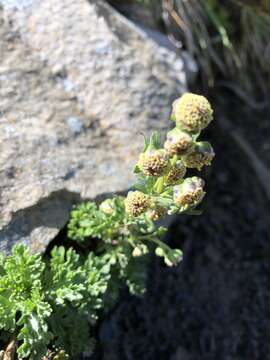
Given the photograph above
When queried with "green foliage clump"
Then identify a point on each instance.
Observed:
(23, 307)
(49, 304)
(51, 301)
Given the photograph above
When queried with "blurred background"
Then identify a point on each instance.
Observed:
(79, 80)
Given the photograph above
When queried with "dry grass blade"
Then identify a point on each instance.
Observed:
(221, 45)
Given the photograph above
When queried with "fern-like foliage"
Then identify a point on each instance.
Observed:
(24, 310)
(51, 303)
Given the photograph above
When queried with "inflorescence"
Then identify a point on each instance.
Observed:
(161, 171)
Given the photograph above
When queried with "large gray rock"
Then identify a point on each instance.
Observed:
(78, 83)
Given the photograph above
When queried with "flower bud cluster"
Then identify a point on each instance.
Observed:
(163, 188)
(189, 193)
(107, 206)
(136, 203)
(154, 162)
(156, 212)
(192, 113)
(178, 142)
(201, 155)
(177, 172)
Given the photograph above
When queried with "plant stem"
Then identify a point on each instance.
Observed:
(155, 240)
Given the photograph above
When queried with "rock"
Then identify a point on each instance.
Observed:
(78, 84)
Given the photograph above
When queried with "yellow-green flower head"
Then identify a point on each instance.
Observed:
(154, 162)
(201, 156)
(140, 250)
(136, 203)
(192, 112)
(190, 193)
(177, 172)
(157, 212)
(107, 206)
(178, 142)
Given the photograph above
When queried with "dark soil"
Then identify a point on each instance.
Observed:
(253, 126)
(216, 304)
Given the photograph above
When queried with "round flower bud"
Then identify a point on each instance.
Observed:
(177, 172)
(201, 156)
(137, 252)
(156, 213)
(159, 251)
(107, 206)
(154, 162)
(178, 142)
(192, 112)
(189, 193)
(136, 203)
(140, 250)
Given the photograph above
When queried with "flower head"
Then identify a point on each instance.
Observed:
(140, 250)
(176, 173)
(153, 162)
(107, 206)
(178, 142)
(156, 213)
(192, 112)
(136, 203)
(190, 193)
(202, 155)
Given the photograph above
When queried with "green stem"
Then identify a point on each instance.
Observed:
(155, 240)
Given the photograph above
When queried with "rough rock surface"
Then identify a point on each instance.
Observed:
(78, 83)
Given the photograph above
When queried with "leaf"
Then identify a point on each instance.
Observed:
(154, 142)
(136, 170)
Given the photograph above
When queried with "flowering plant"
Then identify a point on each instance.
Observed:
(49, 304)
